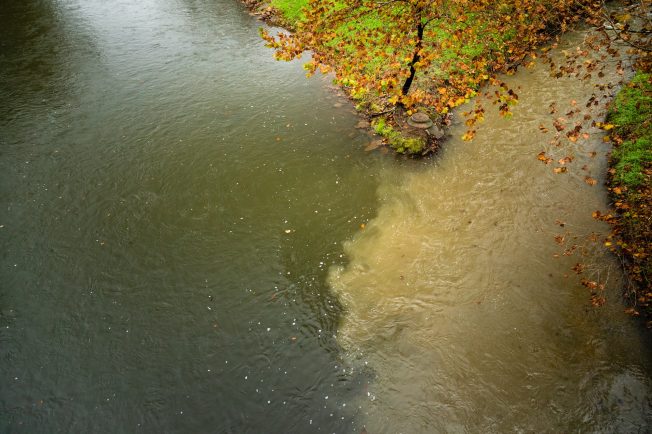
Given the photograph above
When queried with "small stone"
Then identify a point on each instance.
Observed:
(420, 120)
(436, 132)
(362, 124)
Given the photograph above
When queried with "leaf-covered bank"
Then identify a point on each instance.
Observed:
(399, 57)
(630, 184)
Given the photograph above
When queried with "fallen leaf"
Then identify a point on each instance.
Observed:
(590, 181)
(542, 157)
(631, 311)
(469, 135)
(589, 283)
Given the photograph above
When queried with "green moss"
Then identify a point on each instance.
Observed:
(633, 106)
(630, 159)
(400, 143)
(631, 113)
(631, 117)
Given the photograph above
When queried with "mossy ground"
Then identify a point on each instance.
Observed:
(631, 187)
(394, 130)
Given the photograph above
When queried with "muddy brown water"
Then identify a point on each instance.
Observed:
(460, 293)
(182, 248)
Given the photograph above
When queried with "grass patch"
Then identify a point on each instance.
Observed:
(631, 187)
(632, 107)
(290, 9)
(631, 158)
(631, 114)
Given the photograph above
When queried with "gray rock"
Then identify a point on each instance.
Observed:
(420, 120)
(437, 132)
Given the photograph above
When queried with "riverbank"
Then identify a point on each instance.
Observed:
(630, 186)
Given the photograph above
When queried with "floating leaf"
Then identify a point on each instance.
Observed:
(469, 135)
(542, 157)
(590, 181)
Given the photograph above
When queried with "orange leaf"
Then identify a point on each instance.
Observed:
(542, 157)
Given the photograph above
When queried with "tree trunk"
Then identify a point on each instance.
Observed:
(415, 58)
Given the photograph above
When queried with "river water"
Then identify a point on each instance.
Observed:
(194, 240)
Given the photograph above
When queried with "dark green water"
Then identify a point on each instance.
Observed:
(153, 156)
(181, 247)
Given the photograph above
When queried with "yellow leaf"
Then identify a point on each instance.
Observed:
(469, 135)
